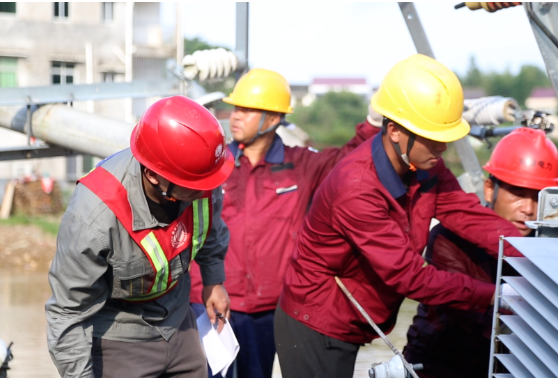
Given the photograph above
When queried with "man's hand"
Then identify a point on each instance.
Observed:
(215, 298)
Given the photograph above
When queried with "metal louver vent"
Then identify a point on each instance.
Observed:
(525, 344)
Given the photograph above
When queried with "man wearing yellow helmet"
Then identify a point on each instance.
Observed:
(369, 222)
(265, 201)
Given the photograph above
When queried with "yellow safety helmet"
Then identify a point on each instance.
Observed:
(425, 97)
(262, 89)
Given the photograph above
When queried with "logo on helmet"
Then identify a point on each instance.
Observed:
(179, 235)
(219, 153)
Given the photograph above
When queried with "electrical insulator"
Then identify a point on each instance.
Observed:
(209, 64)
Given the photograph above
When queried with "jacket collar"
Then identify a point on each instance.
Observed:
(275, 154)
(385, 171)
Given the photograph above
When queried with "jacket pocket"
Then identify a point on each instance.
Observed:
(232, 199)
(132, 279)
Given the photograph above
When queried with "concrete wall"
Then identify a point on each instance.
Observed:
(37, 38)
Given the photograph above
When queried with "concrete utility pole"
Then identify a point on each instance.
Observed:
(59, 125)
(179, 33)
(129, 51)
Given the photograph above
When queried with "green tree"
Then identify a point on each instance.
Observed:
(196, 43)
(528, 78)
(505, 83)
(331, 119)
(473, 78)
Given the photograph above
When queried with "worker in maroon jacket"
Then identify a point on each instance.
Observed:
(265, 200)
(369, 222)
(456, 343)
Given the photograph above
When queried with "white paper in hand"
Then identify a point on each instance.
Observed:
(220, 348)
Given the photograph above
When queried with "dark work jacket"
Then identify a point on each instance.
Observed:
(368, 228)
(453, 342)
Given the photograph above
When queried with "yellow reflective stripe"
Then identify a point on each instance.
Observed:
(90, 171)
(201, 224)
(152, 296)
(206, 220)
(152, 247)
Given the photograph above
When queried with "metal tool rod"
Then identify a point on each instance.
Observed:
(378, 331)
(29, 125)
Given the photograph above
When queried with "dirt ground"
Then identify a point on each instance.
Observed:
(26, 247)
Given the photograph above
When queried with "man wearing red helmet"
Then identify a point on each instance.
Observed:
(120, 305)
(456, 343)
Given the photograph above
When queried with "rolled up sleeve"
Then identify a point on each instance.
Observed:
(78, 292)
(211, 257)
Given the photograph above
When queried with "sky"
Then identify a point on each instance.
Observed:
(303, 40)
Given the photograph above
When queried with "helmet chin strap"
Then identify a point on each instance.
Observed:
(259, 133)
(405, 156)
(166, 193)
(496, 182)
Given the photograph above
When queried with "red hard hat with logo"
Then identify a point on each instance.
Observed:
(525, 158)
(183, 142)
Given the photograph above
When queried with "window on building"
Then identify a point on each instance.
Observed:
(108, 11)
(6, 7)
(8, 72)
(62, 72)
(87, 164)
(109, 77)
(113, 77)
(61, 9)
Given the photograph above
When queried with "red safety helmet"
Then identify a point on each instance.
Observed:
(525, 158)
(183, 142)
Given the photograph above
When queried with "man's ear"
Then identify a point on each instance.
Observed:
(273, 118)
(488, 190)
(393, 132)
(151, 176)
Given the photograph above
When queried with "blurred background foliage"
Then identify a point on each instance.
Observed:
(330, 120)
(506, 84)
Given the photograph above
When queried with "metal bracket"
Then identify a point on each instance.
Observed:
(241, 47)
(544, 22)
(29, 123)
(465, 151)
(30, 152)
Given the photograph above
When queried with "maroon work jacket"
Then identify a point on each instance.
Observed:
(367, 228)
(264, 207)
(454, 343)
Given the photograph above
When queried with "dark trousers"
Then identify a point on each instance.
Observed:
(254, 332)
(305, 353)
(180, 357)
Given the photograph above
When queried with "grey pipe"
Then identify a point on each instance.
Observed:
(60, 125)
